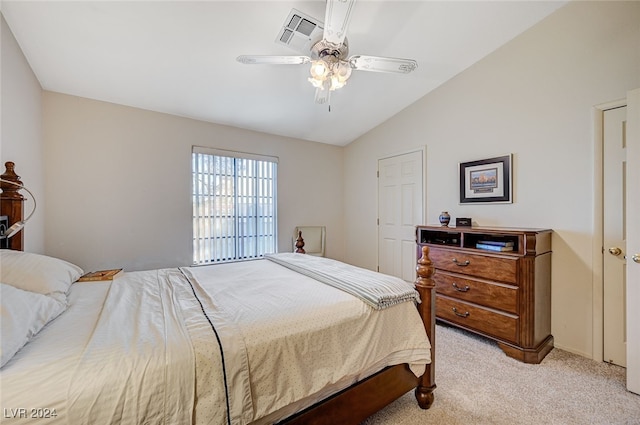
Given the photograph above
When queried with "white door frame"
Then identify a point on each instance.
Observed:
(423, 150)
(597, 348)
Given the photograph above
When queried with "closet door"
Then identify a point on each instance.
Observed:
(400, 209)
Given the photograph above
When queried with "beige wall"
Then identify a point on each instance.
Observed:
(21, 130)
(118, 183)
(533, 98)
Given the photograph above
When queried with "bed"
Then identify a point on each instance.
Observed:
(266, 341)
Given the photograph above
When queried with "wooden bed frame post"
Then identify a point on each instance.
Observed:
(11, 202)
(300, 244)
(427, 308)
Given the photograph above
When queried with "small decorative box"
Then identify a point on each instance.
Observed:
(461, 221)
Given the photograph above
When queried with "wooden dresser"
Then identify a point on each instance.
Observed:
(501, 291)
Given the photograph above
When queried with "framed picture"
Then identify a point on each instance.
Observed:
(486, 180)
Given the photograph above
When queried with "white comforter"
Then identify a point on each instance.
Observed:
(138, 366)
(288, 341)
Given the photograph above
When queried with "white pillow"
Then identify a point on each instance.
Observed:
(38, 273)
(22, 315)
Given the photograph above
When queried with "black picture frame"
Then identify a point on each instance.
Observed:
(486, 180)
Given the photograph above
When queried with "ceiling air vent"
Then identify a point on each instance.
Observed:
(300, 32)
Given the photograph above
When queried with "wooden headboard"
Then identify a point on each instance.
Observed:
(11, 203)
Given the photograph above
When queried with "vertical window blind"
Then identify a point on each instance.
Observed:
(234, 206)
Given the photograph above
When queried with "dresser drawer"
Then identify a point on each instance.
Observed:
(504, 269)
(494, 295)
(493, 323)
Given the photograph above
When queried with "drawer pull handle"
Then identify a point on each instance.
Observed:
(465, 314)
(465, 264)
(459, 289)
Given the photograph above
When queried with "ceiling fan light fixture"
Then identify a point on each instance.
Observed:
(342, 71)
(317, 83)
(336, 83)
(329, 75)
(319, 69)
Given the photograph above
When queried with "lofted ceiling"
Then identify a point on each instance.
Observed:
(179, 57)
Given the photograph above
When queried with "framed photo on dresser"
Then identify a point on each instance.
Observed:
(486, 180)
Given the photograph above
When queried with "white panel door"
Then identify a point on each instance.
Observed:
(614, 235)
(400, 209)
(633, 241)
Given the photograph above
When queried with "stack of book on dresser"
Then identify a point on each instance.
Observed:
(495, 245)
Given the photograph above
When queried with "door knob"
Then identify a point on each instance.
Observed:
(615, 251)
(636, 258)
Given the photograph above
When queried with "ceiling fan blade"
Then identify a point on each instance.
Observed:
(322, 95)
(336, 20)
(273, 60)
(382, 64)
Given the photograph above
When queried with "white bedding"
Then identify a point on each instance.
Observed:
(325, 338)
(279, 379)
(138, 367)
(23, 378)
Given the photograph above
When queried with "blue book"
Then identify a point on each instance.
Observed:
(494, 247)
(496, 243)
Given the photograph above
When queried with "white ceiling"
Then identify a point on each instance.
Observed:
(179, 57)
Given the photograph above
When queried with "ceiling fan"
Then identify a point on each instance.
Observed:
(327, 50)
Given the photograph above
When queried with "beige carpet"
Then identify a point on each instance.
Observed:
(478, 384)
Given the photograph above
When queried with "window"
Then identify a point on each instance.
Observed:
(234, 206)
